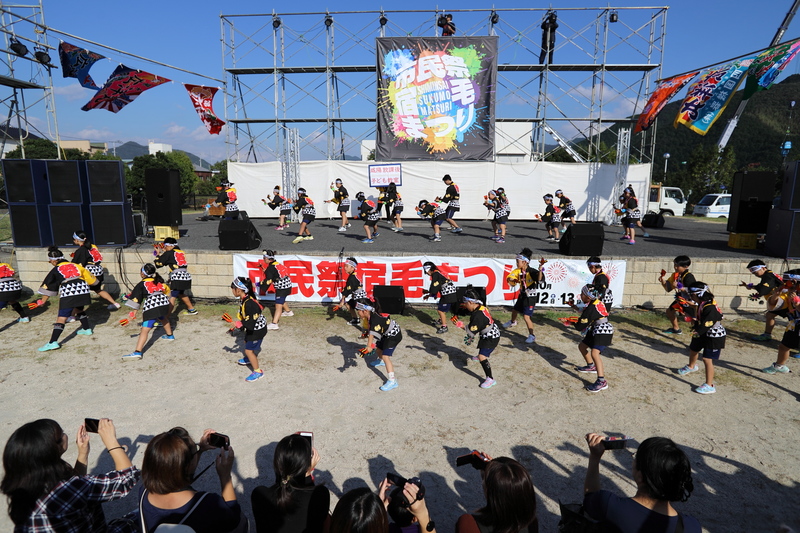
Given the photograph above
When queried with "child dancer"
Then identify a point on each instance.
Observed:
(227, 197)
(599, 332)
(551, 218)
(88, 256)
(11, 292)
(370, 214)
(180, 280)
(435, 213)
(709, 336)
(791, 338)
(353, 290)
(492, 201)
(566, 207)
(276, 277)
(528, 278)
(443, 287)
(383, 336)
(678, 282)
(600, 281)
(631, 214)
(768, 287)
(342, 200)
(252, 322)
(451, 198)
(397, 208)
(276, 200)
(151, 295)
(72, 283)
(305, 206)
(482, 325)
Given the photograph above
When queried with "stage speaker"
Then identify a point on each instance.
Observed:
(112, 224)
(751, 201)
(238, 235)
(25, 181)
(390, 298)
(64, 178)
(783, 234)
(65, 219)
(582, 239)
(653, 220)
(163, 188)
(138, 224)
(30, 225)
(106, 181)
(456, 309)
(790, 191)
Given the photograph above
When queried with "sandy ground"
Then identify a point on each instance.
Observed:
(742, 441)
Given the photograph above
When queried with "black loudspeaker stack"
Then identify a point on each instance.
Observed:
(582, 239)
(238, 234)
(391, 299)
(163, 190)
(751, 201)
(28, 196)
(783, 231)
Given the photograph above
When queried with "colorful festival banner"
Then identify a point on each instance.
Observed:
(436, 98)
(202, 99)
(768, 65)
(708, 96)
(122, 88)
(320, 279)
(660, 97)
(76, 62)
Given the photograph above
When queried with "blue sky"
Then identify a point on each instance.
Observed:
(187, 34)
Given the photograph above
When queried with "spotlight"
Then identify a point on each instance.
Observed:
(328, 21)
(383, 20)
(18, 48)
(42, 56)
(276, 23)
(441, 21)
(613, 17)
(495, 18)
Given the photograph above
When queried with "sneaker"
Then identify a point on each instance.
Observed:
(113, 307)
(367, 241)
(342, 229)
(631, 241)
(550, 238)
(287, 313)
(84, 331)
(355, 322)
(588, 369)
(442, 329)
(376, 235)
(50, 346)
(500, 241)
(671, 331)
(297, 240)
(278, 228)
(437, 239)
(494, 237)
(509, 324)
(625, 237)
(456, 230)
(597, 386)
(475, 358)
(688, 369)
(191, 311)
(398, 230)
(488, 383)
(308, 238)
(273, 325)
(168, 337)
(389, 385)
(348, 225)
(132, 356)
(243, 361)
(23, 319)
(254, 376)
(531, 339)
(705, 388)
(376, 363)
(645, 234)
(771, 369)
(556, 240)
(70, 319)
(764, 337)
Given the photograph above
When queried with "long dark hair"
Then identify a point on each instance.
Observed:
(247, 283)
(666, 471)
(87, 242)
(33, 466)
(359, 511)
(150, 271)
(510, 496)
(291, 463)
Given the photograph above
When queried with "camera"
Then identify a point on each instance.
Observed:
(400, 481)
(615, 443)
(475, 458)
(91, 424)
(218, 440)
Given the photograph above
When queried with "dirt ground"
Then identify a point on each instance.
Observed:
(742, 441)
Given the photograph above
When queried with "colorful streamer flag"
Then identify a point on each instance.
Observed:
(76, 62)
(660, 97)
(122, 88)
(768, 65)
(710, 94)
(202, 98)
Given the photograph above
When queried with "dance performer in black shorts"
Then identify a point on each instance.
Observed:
(383, 336)
(180, 280)
(89, 257)
(441, 287)
(482, 325)
(11, 292)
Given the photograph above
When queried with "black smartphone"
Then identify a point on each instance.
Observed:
(307, 435)
(91, 424)
(476, 459)
(218, 440)
(615, 443)
(397, 481)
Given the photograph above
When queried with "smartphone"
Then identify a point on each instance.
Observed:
(475, 458)
(309, 435)
(91, 424)
(615, 443)
(218, 440)
(397, 481)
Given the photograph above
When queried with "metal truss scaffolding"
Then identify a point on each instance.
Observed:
(316, 73)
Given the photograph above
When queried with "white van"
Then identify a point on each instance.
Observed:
(667, 201)
(713, 205)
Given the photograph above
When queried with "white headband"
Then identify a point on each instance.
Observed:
(239, 285)
(700, 291)
(593, 264)
(351, 263)
(75, 236)
(468, 300)
(59, 258)
(364, 307)
(756, 268)
(521, 257)
(143, 272)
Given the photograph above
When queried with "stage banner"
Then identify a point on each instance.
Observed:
(708, 96)
(768, 65)
(436, 98)
(320, 279)
(660, 97)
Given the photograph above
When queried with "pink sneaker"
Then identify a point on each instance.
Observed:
(631, 241)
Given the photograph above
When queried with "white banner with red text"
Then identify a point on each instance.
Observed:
(321, 279)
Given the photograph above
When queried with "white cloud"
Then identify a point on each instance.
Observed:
(174, 130)
(73, 92)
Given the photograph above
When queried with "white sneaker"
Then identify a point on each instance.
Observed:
(70, 319)
(509, 324)
(531, 339)
(343, 228)
(273, 325)
(287, 313)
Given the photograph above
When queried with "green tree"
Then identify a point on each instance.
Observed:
(206, 189)
(170, 161)
(706, 171)
(221, 168)
(44, 149)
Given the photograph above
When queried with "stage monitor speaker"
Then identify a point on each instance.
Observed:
(65, 219)
(25, 181)
(790, 191)
(112, 224)
(749, 216)
(238, 235)
(163, 189)
(64, 178)
(751, 200)
(106, 181)
(582, 239)
(30, 225)
(456, 309)
(783, 234)
(653, 220)
(390, 298)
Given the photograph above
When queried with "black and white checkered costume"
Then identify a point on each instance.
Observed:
(71, 282)
(10, 289)
(277, 275)
(594, 321)
(353, 290)
(709, 333)
(384, 330)
(483, 325)
(152, 297)
(179, 278)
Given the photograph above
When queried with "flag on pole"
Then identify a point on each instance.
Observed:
(768, 65)
(76, 62)
(202, 99)
(122, 88)
(660, 97)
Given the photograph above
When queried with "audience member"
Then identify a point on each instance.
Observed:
(359, 511)
(406, 507)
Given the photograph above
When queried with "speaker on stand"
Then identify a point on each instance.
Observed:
(582, 239)
(391, 299)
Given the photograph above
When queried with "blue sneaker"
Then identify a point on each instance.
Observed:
(243, 361)
(84, 332)
(254, 376)
(23, 319)
(375, 235)
(705, 388)
(367, 241)
(132, 356)
(488, 383)
(389, 385)
(168, 337)
(687, 369)
(377, 362)
(50, 346)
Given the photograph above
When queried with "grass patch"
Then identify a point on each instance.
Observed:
(5, 227)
